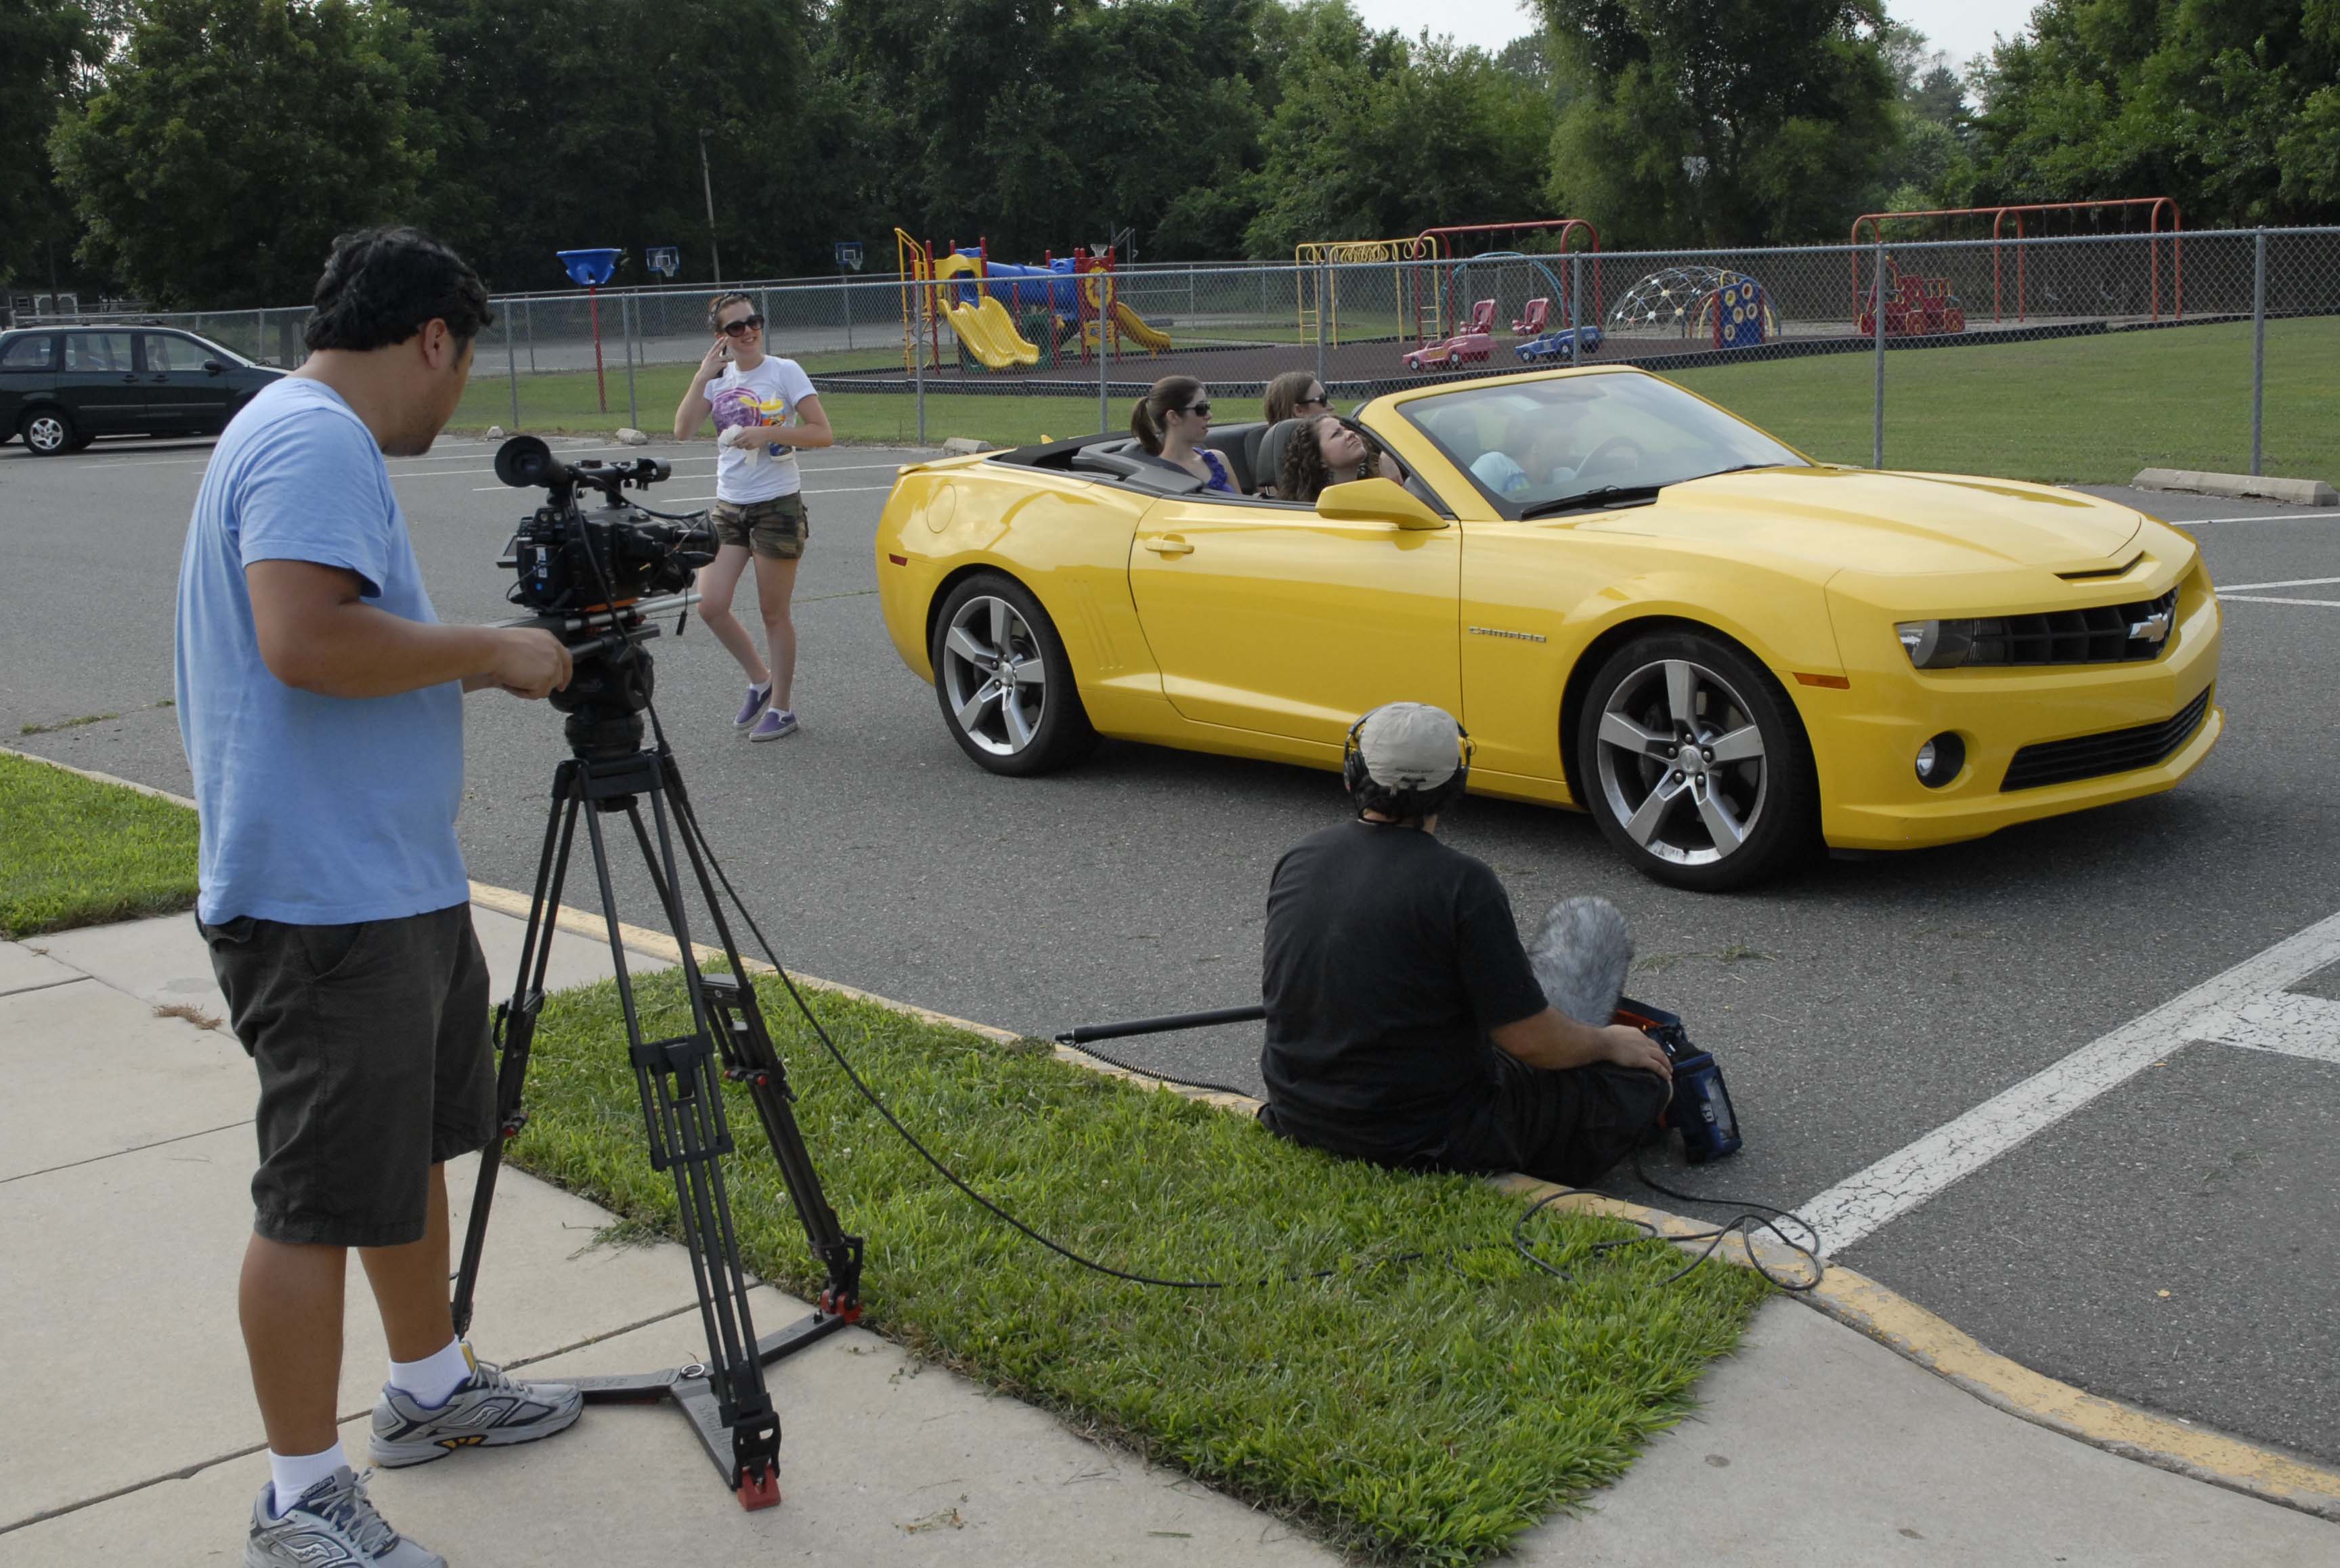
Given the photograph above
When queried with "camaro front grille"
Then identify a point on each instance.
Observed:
(2114, 752)
(2098, 636)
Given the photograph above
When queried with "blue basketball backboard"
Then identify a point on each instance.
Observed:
(848, 255)
(590, 269)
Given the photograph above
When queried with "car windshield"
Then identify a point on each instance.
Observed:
(1534, 446)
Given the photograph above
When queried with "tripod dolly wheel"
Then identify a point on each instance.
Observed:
(760, 1488)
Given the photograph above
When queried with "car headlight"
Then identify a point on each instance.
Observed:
(1938, 644)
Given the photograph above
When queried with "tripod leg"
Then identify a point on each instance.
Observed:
(682, 1108)
(750, 1058)
(516, 1026)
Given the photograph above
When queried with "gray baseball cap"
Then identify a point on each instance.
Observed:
(1409, 745)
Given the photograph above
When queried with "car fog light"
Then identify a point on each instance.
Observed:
(1941, 760)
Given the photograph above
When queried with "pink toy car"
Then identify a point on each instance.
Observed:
(1458, 349)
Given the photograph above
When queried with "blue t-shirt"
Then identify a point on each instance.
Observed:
(316, 810)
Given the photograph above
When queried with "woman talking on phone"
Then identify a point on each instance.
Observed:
(765, 411)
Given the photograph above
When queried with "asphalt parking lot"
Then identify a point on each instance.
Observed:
(2075, 1088)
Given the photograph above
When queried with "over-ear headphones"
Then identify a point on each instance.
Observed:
(1426, 801)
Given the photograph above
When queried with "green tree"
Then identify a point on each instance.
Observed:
(45, 46)
(1374, 137)
(2233, 107)
(1724, 122)
(233, 139)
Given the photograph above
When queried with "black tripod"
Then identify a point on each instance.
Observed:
(609, 774)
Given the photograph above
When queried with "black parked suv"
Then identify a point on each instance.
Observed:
(62, 387)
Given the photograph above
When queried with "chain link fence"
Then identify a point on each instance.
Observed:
(2072, 359)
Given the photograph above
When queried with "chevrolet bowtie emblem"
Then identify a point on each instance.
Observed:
(2153, 629)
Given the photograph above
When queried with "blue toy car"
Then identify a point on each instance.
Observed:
(1568, 343)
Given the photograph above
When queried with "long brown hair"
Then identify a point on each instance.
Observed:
(1168, 394)
(1283, 394)
(1306, 473)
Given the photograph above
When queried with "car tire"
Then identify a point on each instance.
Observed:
(1685, 811)
(49, 432)
(990, 624)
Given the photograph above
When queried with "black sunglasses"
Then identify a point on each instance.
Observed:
(1201, 408)
(1312, 403)
(742, 327)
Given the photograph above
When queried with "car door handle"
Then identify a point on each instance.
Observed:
(131, 380)
(1168, 544)
(158, 377)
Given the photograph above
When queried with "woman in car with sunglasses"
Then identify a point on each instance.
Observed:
(765, 412)
(1170, 422)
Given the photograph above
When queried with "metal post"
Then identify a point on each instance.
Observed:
(707, 184)
(1105, 311)
(1322, 282)
(845, 293)
(633, 409)
(918, 358)
(2259, 344)
(512, 370)
(1575, 310)
(1877, 319)
(528, 318)
(260, 337)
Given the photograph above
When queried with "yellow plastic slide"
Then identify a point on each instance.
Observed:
(1134, 327)
(990, 335)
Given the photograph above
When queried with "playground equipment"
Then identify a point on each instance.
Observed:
(1426, 276)
(1569, 344)
(996, 309)
(588, 270)
(1692, 301)
(1534, 319)
(1475, 341)
(2041, 214)
(1918, 307)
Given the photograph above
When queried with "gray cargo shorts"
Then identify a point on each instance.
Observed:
(371, 1042)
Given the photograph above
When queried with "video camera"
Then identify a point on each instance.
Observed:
(585, 575)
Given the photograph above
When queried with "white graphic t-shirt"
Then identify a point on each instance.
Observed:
(768, 394)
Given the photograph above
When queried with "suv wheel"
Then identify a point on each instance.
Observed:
(50, 430)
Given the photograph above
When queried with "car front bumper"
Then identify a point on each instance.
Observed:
(1866, 737)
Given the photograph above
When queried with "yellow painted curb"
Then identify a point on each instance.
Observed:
(1850, 1298)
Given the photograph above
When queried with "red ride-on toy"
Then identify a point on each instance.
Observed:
(1920, 307)
(1476, 341)
(1534, 320)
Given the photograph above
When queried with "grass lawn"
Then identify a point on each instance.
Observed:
(75, 852)
(1417, 1409)
(2089, 410)
(1426, 1411)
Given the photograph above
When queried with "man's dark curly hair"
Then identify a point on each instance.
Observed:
(1404, 805)
(382, 286)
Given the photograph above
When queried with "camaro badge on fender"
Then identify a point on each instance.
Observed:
(1514, 636)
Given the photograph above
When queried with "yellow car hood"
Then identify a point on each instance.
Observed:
(1885, 524)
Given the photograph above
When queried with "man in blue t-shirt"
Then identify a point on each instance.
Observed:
(320, 702)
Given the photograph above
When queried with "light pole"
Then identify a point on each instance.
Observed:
(707, 184)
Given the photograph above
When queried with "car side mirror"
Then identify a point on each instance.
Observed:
(215, 367)
(1376, 499)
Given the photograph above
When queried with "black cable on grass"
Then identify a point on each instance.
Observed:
(1150, 1073)
(1743, 1225)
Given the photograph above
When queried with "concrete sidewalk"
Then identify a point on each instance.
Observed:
(126, 1148)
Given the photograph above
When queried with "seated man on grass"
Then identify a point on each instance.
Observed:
(1406, 1025)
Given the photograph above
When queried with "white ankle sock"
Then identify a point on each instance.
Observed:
(290, 1474)
(432, 1379)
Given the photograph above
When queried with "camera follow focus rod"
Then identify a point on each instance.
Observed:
(609, 773)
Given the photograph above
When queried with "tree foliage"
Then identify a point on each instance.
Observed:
(233, 139)
(2233, 106)
(45, 47)
(1724, 122)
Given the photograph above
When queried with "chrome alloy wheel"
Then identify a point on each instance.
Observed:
(1682, 762)
(46, 433)
(992, 676)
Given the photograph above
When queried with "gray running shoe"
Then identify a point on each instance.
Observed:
(332, 1525)
(490, 1411)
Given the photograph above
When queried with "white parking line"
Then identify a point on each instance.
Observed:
(2263, 517)
(2245, 1006)
(2248, 598)
(2287, 582)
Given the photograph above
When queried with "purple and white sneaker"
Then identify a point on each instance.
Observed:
(775, 723)
(757, 697)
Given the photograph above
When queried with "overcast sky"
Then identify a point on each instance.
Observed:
(1960, 28)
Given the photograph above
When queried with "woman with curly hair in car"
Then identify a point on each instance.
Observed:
(1327, 451)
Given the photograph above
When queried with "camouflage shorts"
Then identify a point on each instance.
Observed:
(777, 528)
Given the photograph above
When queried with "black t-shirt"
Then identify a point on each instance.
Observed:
(1390, 958)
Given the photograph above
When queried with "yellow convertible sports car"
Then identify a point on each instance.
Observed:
(1637, 604)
